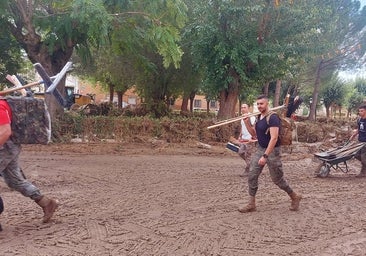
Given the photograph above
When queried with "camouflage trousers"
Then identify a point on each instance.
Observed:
(275, 170)
(361, 156)
(12, 173)
(246, 151)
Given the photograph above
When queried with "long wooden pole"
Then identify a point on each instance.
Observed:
(234, 119)
(20, 88)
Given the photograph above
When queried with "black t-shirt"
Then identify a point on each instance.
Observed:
(261, 128)
(361, 130)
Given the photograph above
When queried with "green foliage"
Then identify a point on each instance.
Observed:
(258, 41)
(355, 101)
(334, 92)
(11, 59)
(360, 85)
(357, 94)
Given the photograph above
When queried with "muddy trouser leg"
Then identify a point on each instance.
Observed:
(1, 210)
(275, 170)
(245, 152)
(361, 156)
(254, 171)
(248, 155)
(14, 178)
(241, 152)
(1, 205)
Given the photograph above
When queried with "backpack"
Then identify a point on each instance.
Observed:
(30, 122)
(286, 127)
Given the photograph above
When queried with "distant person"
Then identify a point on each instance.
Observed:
(361, 132)
(246, 144)
(268, 152)
(9, 166)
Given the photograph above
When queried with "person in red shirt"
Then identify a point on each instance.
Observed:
(10, 170)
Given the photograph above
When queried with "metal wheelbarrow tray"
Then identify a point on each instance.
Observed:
(337, 158)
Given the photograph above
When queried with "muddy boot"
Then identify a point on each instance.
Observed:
(1, 205)
(295, 201)
(250, 207)
(49, 207)
(1, 210)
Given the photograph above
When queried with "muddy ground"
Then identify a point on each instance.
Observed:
(118, 199)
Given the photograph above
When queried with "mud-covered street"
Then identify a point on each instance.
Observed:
(118, 200)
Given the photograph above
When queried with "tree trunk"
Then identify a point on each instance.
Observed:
(340, 111)
(39, 52)
(184, 107)
(191, 99)
(208, 106)
(312, 113)
(229, 97)
(276, 101)
(119, 97)
(328, 112)
(53, 64)
(111, 93)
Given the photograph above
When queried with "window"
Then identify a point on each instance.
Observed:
(197, 103)
(213, 104)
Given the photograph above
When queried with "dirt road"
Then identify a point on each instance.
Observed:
(122, 200)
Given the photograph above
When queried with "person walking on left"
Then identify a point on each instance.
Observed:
(10, 170)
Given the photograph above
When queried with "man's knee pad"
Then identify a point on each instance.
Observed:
(1, 205)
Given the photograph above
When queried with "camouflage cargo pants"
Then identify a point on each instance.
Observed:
(361, 156)
(12, 173)
(246, 151)
(275, 170)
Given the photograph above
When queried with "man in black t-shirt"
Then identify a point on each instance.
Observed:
(361, 132)
(268, 152)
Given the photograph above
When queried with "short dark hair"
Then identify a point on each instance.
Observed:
(363, 106)
(262, 96)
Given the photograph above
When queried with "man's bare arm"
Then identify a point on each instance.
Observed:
(274, 137)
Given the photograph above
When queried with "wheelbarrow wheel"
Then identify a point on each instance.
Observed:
(323, 171)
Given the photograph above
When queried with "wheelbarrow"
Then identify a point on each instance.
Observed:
(337, 158)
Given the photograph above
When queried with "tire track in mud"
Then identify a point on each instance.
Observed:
(183, 205)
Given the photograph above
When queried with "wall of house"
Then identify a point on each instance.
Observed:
(199, 104)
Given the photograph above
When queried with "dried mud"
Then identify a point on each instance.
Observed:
(151, 199)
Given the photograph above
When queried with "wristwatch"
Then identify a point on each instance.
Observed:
(265, 156)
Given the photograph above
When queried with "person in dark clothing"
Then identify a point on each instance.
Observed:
(361, 132)
(268, 152)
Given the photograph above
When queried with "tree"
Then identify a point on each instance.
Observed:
(333, 94)
(356, 96)
(242, 44)
(49, 31)
(11, 58)
(360, 85)
(336, 32)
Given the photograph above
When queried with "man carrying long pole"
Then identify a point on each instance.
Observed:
(268, 152)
